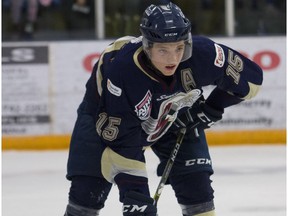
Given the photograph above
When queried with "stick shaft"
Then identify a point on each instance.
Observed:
(169, 165)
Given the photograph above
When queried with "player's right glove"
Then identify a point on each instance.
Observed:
(137, 204)
(200, 116)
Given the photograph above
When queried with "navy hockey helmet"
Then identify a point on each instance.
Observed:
(164, 24)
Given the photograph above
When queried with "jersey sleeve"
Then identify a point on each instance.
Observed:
(236, 77)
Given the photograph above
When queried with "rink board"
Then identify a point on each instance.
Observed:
(43, 84)
(213, 138)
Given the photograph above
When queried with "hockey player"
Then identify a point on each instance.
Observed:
(137, 89)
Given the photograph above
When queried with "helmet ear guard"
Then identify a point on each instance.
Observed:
(164, 24)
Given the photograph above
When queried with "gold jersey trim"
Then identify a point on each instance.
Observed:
(113, 164)
(135, 58)
(253, 91)
(116, 45)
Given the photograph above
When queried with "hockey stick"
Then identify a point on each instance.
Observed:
(169, 165)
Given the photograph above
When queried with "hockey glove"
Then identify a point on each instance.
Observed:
(200, 116)
(137, 204)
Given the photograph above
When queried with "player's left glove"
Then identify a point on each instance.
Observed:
(137, 204)
(200, 116)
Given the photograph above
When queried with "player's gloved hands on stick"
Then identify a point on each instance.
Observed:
(137, 204)
(200, 116)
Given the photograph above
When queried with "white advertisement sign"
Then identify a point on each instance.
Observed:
(25, 90)
(268, 109)
(72, 67)
(43, 85)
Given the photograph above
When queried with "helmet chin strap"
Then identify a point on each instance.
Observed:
(151, 66)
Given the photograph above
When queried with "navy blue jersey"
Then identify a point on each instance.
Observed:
(126, 90)
(128, 98)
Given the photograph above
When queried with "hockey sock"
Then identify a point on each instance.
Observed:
(202, 209)
(76, 210)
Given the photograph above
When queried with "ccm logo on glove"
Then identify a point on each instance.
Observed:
(134, 208)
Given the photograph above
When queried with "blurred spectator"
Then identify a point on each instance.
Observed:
(74, 19)
(79, 16)
(24, 17)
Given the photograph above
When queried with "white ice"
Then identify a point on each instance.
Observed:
(248, 181)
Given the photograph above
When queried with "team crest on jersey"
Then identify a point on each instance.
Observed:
(168, 111)
(113, 89)
(220, 57)
(143, 108)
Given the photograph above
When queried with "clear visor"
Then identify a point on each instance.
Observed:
(187, 50)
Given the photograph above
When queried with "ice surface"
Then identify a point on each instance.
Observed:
(248, 181)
